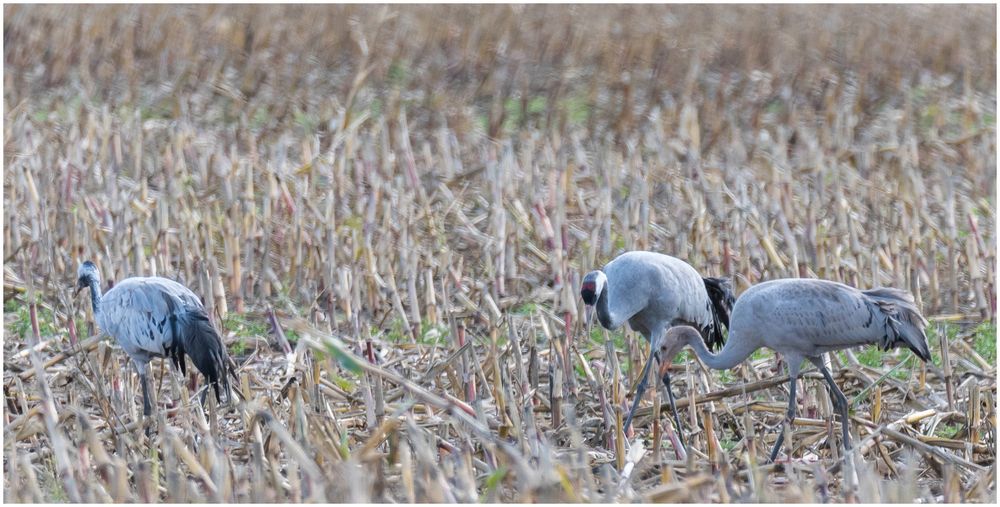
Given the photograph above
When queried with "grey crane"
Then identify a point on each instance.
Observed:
(654, 292)
(157, 317)
(804, 319)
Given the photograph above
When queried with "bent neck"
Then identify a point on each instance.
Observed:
(603, 310)
(609, 320)
(735, 352)
(95, 294)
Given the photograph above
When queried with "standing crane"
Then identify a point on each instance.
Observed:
(803, 319)
(654, 292)
(156, 317)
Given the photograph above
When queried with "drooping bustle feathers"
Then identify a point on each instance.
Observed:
(720, 293)
(904, 325)
(202, 343)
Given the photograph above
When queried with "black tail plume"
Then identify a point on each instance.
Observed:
(202, 343)
(903, 322)
(720, 293)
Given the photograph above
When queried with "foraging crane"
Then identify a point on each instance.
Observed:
(654, 292)
(804, 319)
(156, 317)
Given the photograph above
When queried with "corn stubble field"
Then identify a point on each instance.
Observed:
(388, 211)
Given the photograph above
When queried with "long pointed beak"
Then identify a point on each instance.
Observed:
(588, 317)
(664, 372)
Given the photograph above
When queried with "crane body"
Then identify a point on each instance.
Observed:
(653, 292)
(153, 317)
(804, 319)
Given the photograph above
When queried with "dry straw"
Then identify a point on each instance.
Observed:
(388, 210)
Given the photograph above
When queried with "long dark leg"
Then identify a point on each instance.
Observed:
(839, 400)
(794, 364)
(673, 407)
(788, 419)
(147, 407)
(218, 395)
(639, 389)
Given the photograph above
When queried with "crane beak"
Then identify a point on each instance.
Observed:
(664, 372)
(588, 317)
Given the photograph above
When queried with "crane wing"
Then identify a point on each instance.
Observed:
(651, 290)
(137, 313)
(817, 316)
(183, 293)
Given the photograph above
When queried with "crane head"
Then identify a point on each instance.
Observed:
(592, 287)
(86, 275)
(590, 291)
(671, 344)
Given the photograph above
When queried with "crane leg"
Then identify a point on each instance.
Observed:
(140, 367)
(788, 418)
(839, 400)
(673, 407)
(639, 390)
(147, 407)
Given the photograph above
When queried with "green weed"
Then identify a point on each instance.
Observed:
(308, 122)
(536, 105)
(431, 333)
(727, 444)
(933, 339)
(578, 109)
(985, 341)
(241, 325)
(617, 337)
(21, 323)
(492, 483)
(239, 348)
(341, 382)
(259, 119)
(245, 328)
(947, 430)
(375, 108)
(525, 309)
(871, 356)
(397, 74)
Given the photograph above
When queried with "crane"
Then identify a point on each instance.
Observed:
(157, 317)
(653, 292)
(804, 319)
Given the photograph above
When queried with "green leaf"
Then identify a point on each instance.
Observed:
(492, 482)
(347, 360)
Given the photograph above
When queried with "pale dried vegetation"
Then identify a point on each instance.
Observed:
(388, 211)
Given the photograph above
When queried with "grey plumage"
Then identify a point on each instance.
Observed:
(652, 292)
(805, 318)
(903, 320)
(156, 317)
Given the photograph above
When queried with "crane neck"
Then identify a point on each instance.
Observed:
(735, 351)
(604, 312)
(95, 294)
